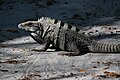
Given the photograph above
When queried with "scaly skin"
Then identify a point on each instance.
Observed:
(65, 37)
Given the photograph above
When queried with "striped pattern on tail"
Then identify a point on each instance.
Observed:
(109, 47)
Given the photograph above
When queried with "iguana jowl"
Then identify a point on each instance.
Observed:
(65, 37)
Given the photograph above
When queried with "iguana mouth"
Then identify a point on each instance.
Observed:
(27, 29)
(31, 31)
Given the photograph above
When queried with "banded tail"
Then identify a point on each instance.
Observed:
(109, 47)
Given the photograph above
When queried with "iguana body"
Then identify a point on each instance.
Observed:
(65, 37)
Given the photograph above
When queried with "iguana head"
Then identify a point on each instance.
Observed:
(33, 27)
(39, 27)
(29, 26)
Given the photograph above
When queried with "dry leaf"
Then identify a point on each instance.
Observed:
(94, 67)
(31, 76)
(112, 74)
(14, 61)
(106, 68)
(83, 70)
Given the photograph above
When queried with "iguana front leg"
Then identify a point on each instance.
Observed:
(45, 46)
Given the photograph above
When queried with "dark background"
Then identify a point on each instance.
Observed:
(77, 12)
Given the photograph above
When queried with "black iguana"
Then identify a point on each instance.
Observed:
(65, 37)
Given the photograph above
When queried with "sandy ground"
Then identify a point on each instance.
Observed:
(18, 62)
